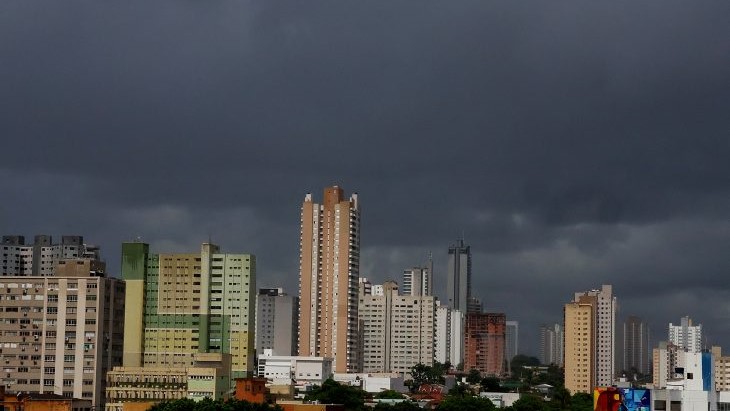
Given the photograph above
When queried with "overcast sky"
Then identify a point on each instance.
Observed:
(573, 143)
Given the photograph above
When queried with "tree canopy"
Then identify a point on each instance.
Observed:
(207, 404)
(332, 392)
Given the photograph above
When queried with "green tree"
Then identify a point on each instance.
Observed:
(207, 404)
(392, 394)
(332, 392)
(518, 364)
(424, 374)
(491, 384)
(474, 376)
(530, 403)
(560, 399)
(465, 403)
(400, 406)
(581, 401)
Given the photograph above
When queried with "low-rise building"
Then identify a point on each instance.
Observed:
(43, 402)
(300, 371)
(373, 382)
(209, 377)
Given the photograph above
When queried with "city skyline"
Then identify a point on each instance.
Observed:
(573, 145)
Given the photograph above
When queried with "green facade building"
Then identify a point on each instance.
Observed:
(178, 305)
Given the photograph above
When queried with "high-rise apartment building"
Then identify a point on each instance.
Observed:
(635, 354)
(397, 330)
(484, 340)
(580, 348)
(512, 341)
(449, 335)
(329, 273)
(551, 345)
(458, 274)
(179, 305)
(604, 340)
(418, 281)
(665, 358)
(61, 334)
(276, 322)
(686, 335)
(42, 256)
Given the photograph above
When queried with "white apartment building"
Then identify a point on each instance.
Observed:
(686, 335)
(448, 335)
(397, 331)
(61, 334)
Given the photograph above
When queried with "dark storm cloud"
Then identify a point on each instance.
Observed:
(572, 143)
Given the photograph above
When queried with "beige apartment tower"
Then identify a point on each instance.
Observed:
(580, 352)
(329, 264)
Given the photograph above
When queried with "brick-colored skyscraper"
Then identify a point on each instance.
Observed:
(329, 272)
(484, 336)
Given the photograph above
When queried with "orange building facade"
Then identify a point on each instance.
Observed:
(328, 279)
(484, 335)
(252, 390)
(42, 402)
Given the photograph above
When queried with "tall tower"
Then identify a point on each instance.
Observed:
(458, 289)
(601, 304)
(511, 341)
(636, 352)
(329, 272)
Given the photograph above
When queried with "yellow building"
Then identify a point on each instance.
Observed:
(579, 347)
(130, 388)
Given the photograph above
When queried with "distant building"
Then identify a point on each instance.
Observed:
(512, 341)
(397, 331)
(418, 281)
(61, 334)
(449, 335)
(42, 256)
(686, 335)
(635, 354)
(179, 305)
(276, 321)
(484, 336)
(474, 305)
(329, 271)
(458, 276)
(551, 345)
